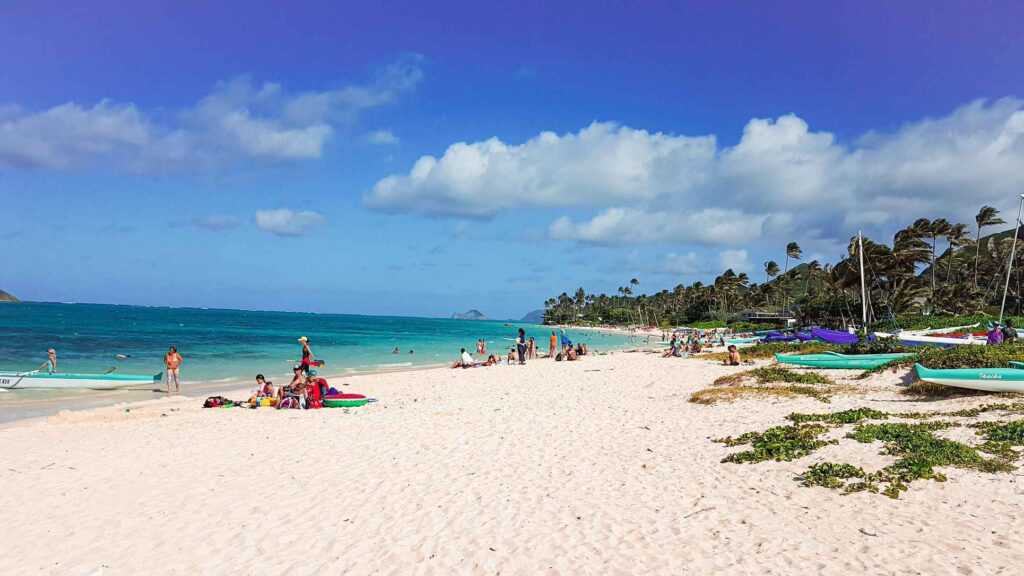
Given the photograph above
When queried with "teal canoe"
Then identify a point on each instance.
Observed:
(986, 379)
(836, 360)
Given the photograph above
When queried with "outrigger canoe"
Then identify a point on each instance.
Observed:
(987, 379)
(739, 340)
(58, 380)
(836, 360)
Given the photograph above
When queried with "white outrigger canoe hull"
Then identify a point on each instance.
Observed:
(63, 380)
(941, 340)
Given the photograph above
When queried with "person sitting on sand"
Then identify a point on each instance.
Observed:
(492, 360)
(734, 357)
(511, 355)
(264, 389)
(673, 350)
(695, 347)
(570, 354)
(295, 388)
(465, 360)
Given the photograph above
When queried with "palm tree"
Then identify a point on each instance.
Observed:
(771, 270)
(938, 227)
(957, 236)
(792, 251)
(987, 216)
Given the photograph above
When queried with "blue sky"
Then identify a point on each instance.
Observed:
(423, 158)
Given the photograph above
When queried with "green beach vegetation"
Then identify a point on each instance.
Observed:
(917, 446)
(934, 273)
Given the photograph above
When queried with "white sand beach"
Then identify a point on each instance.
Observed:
(600, 466)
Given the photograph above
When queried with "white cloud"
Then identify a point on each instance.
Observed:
(381, 137)
(627, 225)
(737, 260)
(601, 165)
(781, 178)
(239, 119)
(285, 222)
(60, 136)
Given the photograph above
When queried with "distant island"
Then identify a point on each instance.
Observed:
(534, 317)
(469, 315)
(5, 297)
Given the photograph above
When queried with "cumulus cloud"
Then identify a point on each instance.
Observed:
(600, 165)
(238, 119)
(780, 177)
(381, 137)
(627, 225)
(285, 222)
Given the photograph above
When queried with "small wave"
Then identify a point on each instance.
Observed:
(394, 365)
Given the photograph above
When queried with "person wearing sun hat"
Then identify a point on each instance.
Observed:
(307, 355)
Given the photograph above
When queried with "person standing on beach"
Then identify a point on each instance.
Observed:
(172, 361)
(307, 355)
(553, 345)
(521, 346)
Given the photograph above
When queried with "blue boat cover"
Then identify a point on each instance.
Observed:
(834, 336)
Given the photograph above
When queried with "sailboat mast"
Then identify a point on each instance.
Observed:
(1009, 266)
(863, 284)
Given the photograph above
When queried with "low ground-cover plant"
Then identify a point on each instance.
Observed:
(918, 449)
(773, 374)
(781, 443)
(731, 393)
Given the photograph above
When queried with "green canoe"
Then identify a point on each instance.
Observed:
(840, 361)
(987, 379)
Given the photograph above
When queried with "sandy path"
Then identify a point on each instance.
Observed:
(595, 467)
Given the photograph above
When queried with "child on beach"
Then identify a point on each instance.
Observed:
(734, 357)
(531, 348)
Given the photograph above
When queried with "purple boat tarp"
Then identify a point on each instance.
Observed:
(834, 336)
(805, 336)
(779, 337)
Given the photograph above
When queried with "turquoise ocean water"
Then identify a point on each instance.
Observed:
(229, 345)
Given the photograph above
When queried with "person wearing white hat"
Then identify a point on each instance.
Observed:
(307, 355)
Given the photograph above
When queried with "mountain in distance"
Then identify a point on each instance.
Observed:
(469, 315)
(534, 317)
(5, 297)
